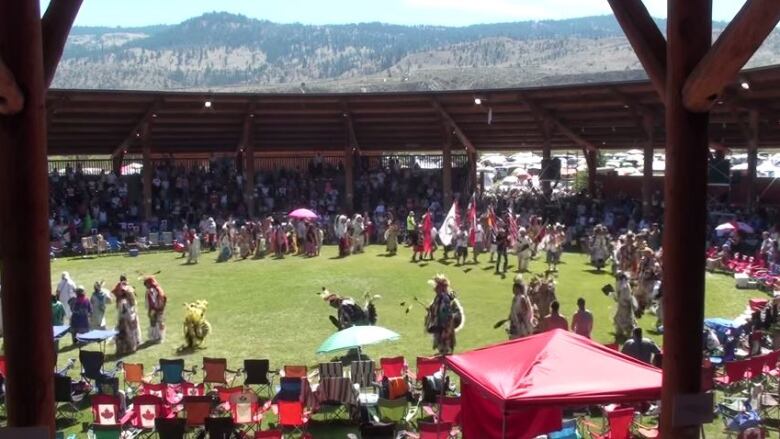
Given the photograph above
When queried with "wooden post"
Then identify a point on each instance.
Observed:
(546, 155)
(591, 160)
(752, 160)
(116, 163)
(648, 123)
(148, 169)
(349, 169)
(689, 33)
(26, 281)
(472, 177)
(446, 166)
(247, 151)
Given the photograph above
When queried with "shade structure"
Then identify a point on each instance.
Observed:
(355, 337)
(516, 389)
(303, 214)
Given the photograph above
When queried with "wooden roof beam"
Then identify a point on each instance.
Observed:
(247, 127)
(448, 120)
(55, 27)
(646, 39)
(731, 51)
(545, 116)
(139, 127)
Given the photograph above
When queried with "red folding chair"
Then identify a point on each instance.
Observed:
(268, 434)
(434, 430)
(145, 409)
(215, 371)
(192, 389)
(770, 363)
(393, 367)
(427, 366)
(246, 411)
(295, 371)
(196, 410)
(105, 409)
(735, 373)
(619, 422)
(292, 416)
(755, 367)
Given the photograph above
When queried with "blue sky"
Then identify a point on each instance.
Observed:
(439, 12)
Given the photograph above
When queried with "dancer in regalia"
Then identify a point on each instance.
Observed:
(100, 298)
(155, 306)
(599, 247)
(521, 314)
(444, 316)
(624, 318)
(128, 326)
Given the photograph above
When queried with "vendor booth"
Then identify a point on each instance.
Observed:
(518, 389)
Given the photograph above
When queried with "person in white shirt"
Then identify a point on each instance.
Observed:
(66, 291)
(523, 248)
(479, 234)
(461, 247)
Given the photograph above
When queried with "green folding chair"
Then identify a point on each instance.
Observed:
(107, 431)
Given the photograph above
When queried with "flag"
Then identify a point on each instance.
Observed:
(512, 226)
(472, 220)
(450, 225)
(426, 229)
(491, 218)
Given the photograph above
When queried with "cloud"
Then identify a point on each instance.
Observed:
(508, 10)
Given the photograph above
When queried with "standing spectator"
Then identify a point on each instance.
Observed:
(554, 320)
(582, 320)
(81, 310)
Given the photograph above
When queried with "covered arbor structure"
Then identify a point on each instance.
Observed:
(693, 100)
(586, 117)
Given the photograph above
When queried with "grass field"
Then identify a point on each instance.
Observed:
(270, 308)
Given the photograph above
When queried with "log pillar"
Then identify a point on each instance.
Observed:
(26, 281)
(752, 160)
(689, 33)
(349, 170)
(116, 163)
(446, 167)
(648, 124)
(248, 156)
(546, 155)
(591, 160)
(472, 177)
(148, 170)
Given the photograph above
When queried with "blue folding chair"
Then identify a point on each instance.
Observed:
(289, 390)
(173, 371)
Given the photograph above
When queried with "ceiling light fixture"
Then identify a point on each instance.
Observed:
(477, 101)
(207, 104)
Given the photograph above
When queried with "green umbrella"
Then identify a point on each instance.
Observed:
(355, 337)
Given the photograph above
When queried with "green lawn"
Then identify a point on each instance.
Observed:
(270, 308)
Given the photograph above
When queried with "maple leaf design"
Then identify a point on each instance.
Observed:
(107, 414)
(148, 415)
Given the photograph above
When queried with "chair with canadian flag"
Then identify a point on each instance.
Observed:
(143, 411)
(105, 409)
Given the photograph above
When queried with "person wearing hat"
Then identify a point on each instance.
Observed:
(444, 316)
(521, 313)
(80, 309)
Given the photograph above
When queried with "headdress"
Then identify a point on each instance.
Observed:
(439, 279)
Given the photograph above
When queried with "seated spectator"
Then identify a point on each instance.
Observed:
(643, 349)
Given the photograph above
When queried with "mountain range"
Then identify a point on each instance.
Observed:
(227, 52)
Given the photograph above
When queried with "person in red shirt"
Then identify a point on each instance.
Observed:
(555, 320)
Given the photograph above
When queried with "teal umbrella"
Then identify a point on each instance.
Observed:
(355, 337)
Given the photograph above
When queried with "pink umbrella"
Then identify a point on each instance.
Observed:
(303, 214)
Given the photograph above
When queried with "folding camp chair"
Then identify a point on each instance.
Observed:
(377, 431)
(145, 409)
(106, 431)
(268, 434)
(363, 373)
(196, 410)
(134, 378)
(170, 428)
(173, 371)
(292, 416)
(219, 428)
(167, 239)
(333, 369)
(394, 411)
(295, 371)
(432, 430)
(736, 372)
(393, 367)
(568, 431)
(63, 397)
(92, 367)
(618, 425)
(738, 416)
(154, 239)
(224, 394)
(192, 389)
(105, 409)
(215, 371)
(289, 389)
(154, 389)
(245, 410)
(256, 376)
(335, 395)
(427, 366)
(446, 409)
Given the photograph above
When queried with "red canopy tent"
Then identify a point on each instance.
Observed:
(517, 389)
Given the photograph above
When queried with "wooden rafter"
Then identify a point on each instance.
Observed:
(545, 115)
(455, 128)
(140, 127)
(640, 113)
(55, 27)
(731, 51)
(646, 39)
(11, 97)
(246, 128)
